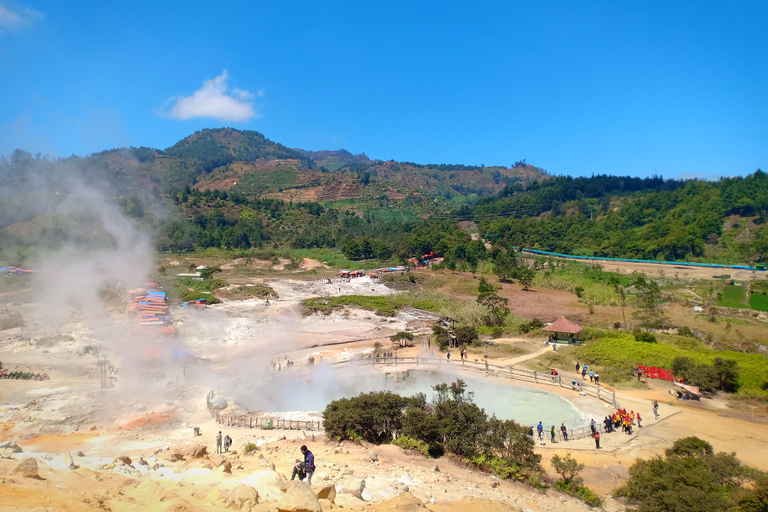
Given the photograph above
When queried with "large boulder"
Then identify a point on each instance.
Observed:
(263, 463)
(196, 451)
(299, 498)
(219, 402)
(171, 455)
(27, 468)
(241, 494)
(267, 482)
(11, 445)
(226, 467)
(353, 486)
(326, 493)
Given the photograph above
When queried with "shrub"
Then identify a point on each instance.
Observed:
(497, 332)
(409, 443)
(645, 337)
(685, 331)
(250, 448)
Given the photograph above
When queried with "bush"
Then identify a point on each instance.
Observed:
(534, 324)
(497, 332)
(409, 443)
(685, 331)
(250, 448)
(372, 417)
(645, 337)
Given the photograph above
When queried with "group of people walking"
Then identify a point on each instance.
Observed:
(593, 375)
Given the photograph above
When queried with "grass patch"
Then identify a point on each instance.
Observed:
(259, 291)
(595, 286)
(733, 297)
(383, 305)
(617, 353)
(758, 302)
(11, 321)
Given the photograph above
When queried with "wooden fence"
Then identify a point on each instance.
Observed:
(426, 363)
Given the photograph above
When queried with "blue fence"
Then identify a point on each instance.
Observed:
(675, 263)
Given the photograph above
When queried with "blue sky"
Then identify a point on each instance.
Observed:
(674, 88)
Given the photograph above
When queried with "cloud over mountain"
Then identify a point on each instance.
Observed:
(217, 100)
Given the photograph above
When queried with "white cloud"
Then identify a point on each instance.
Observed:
(14, 16)
(214, 100)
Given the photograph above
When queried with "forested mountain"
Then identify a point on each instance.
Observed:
(237, 189)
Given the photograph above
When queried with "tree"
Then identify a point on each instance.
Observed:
(465, 335)
(505, 266)
(442, 337)
(404, 339)
(496, 305)
(484, 287)
(525, 275)
(649, 296)
(568, 468)
(726, 374)
(690, 477)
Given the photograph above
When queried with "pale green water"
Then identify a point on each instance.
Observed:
(313, 392)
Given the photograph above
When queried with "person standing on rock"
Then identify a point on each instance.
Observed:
(309, 463)
(218, 442)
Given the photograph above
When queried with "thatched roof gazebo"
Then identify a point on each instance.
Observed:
(563, 325)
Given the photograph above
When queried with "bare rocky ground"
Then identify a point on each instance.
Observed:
(131, 446)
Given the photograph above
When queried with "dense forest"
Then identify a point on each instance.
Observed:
(648, 218)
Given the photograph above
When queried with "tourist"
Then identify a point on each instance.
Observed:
(607, 423)
(448, 356)
(578, 366)
(655, 410)
(309, 463)
(584, 373)
(597, 378)
(553, 432)
(593, 427)
(638, 421)
(227, 442)
(540, 431)
(597, 440)
(591, 376)
(298, 470)
(632, 418)
(218, 442)
(564, 431)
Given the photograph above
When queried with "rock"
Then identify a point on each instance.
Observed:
(70, 463)
(372, 455)
(299, 498)
(196, 451)
(125, 469)
(405, 502)
(226, 467)
(436, 469)
(285, 486)
(213, 496)
(219, 402)
(326, 493)
(353, 486)
(171, 455)
(263, 463)
(27, 468)
(325, 505)
(349, 472)
(337, 450)
(79, 454)
(142, 462)
(407, 479)
(494, 482)
(124, 459)
(240, 494)
(11, 445)
(402, 487)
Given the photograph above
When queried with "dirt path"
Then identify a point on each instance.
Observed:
(519, 359)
